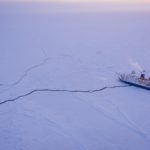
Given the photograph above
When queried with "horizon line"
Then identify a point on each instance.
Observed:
(49, 6)
(75, 2)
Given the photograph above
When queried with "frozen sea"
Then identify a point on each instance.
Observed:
(49, 63)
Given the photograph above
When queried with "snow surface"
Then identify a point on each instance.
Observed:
(70, 52)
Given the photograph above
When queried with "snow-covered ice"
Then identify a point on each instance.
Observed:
(46, 59)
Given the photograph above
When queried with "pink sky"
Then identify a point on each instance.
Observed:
(87, 5)
(81, 1)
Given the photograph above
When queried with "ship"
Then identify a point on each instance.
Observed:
(135, 80)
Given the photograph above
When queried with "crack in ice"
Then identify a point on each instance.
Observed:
(26, 73)
(62, 90)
